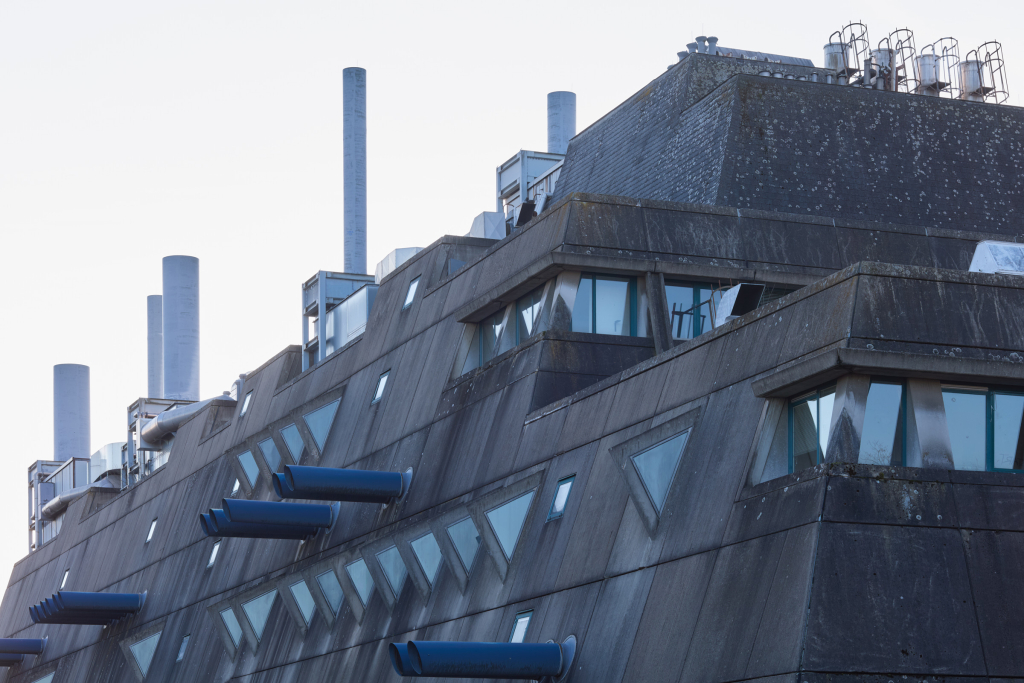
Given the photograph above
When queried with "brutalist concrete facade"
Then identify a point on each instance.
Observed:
(843, 571)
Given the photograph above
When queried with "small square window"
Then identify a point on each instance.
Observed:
(245, 404)
(183, 647)
(64, 581)
(213, 554)
(561, 497)
(411, 294)
(381, 383)
(519, 627)
(152, 529)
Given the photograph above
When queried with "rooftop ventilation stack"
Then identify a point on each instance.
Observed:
(561, 120)
(354, 120)
(71, 425)
(181, 328)
(155, 346)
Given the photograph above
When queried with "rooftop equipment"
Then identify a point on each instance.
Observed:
(321, 294)
(334, 484)
(154, 346)
(264, 519)
(180, 325)
(71, 424)
(938, 68)
(899, 46)
(101, 609)
(354, 122)
(738, 300)
(983, 75)
(561, 120)
(518, 661)
(847, 50)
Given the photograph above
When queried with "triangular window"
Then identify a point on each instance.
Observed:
(319, 422)
(507, 521)
(257, 611)
(466, 540)
(144, 650)
(657, 466)
(394, 568)
(428, 553)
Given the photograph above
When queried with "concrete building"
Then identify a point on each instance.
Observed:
(733, 407)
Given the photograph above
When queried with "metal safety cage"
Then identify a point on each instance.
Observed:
(547, 662)
(100, 609)
(898, 47)
(335, 484)
(938, 68)
(847, 50)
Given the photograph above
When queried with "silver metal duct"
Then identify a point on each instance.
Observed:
(354, 120)
(171, 420)
(71, 420)
(155, 346)
(59, 504)
(561, 120)
(181, 328)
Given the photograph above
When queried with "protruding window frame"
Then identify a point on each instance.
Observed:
(571, 480)
(410, 293)
(381, 387)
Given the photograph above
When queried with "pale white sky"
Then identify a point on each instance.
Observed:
(133, 130)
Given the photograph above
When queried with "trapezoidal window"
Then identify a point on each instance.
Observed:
(519, 626)
(605, 305)
(507, 521)
(410, 294)
(394, 569)
(271, 455)
(428, 554)
(257, 611)
(561, 497)
(303, 599)
(183, 647)
(319, 422)
(657, 467)
(528, 309)
(466, 540)
(143, 651)
(360, 576)
(293, 442)
(249, 466)
(231, 624)
(331, 588)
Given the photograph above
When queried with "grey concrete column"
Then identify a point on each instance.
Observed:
(928, 443)
(181, 327)
(851, 400)
(354, 120)
(561, 120)
(657, 305)
(71, 418)
(155, 346)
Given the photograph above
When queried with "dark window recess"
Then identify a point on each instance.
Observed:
(605, 305)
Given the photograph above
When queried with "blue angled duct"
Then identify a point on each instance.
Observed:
(216, 524)
(22, 646)
(10, 660)
(523, 661)
(330, 483)
(100, 609)
(266, 512)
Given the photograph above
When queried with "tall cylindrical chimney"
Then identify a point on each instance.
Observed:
(155, 346)
(354, 105)
(71, 435)
(561, 120)
(181, 328)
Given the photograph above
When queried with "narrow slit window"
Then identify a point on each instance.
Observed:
(519, 627)
(428, 554)
(64, 581)
(319, 422)
(143, 652)
(293, 441)
(270, 454)
(410, 295)
(249, 466)
(381, 383)
(245, 404)
(657, 467)
(466, 540)
(303, 600)
(257, 612)
(561, 497)
(235, 487)
(331, 588)
(152, 530)
(232, 625)
(361, 579)
(183, 647)
(394, 569)
(507, 522)
(1008, 431)
(213, 554)
(966, 416)
(881, 441)
(528, 310)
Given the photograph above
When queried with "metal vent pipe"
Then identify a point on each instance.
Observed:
(22, 646)
(354, 121)
(155, 346)
(523, 661)
(561, 120)
(335, 484)
(181, 328)
(71, 423)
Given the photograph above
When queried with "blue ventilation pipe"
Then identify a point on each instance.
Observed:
(523, 661)
(101, 609)
(22, 646)
(215, 523)
(10, 660)
(266, 512)
(329, 483)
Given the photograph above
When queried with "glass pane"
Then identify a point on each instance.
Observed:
(64, 580)
(965, 418)
(680, 300)
(490, 331)
(394, 568)
(152, 529)
(611, 299)
(582, 310)
(234, 487)
(428, 552)
(805, 434)
(144, 650)
(331, 589)
(528, 314)
(657, 465)
(561, 497)
(252, 471)
(381, 383)
(183, 647)
(361, 579)
(1009, 430)
(519, 627)
(777, 463)
(48, 678)
(826, 400)
(507, 521)
(473, 356)
(245, 404)
(231, 623)
(257, 611)
(706, 313)
(304, 599)
(213, 554)
(293, 440)
(881, 438)
(319, 422)
(270, 454)
(411, 294)
(466, 540)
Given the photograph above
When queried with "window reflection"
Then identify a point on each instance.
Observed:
(810, 422)
(965, 419)
(691, 308)
(528, 314)
(605, 305)
(881, 441)
(1008, 421)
